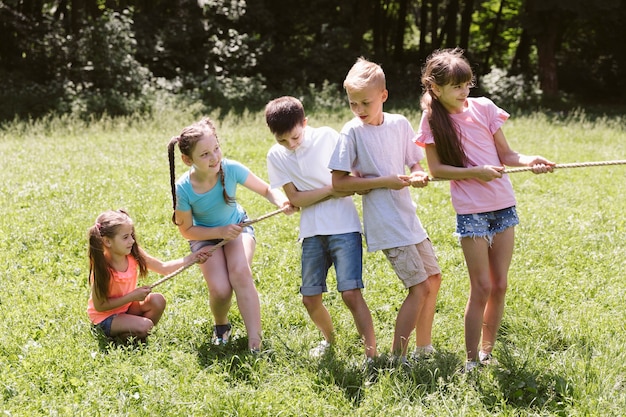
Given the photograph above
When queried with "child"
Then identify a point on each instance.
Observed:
(465, 143)
(330, 228)
(117, 305)
(376, 147)
(206, 212)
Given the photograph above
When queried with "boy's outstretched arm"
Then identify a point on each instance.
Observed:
(344, 181)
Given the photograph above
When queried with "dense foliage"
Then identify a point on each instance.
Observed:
(116, 57)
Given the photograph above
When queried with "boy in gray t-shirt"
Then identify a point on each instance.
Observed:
(371, 158)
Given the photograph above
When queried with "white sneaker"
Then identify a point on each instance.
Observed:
(421, 352)
(469, 366)
(486, 358)
(319, 350)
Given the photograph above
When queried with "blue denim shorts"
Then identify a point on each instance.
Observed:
(105, 325)
(344, 251)
(486, 225)
(196, 245)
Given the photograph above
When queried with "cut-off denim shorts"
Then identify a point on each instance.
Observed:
(344, 251)
(486, 225)
(105, 325)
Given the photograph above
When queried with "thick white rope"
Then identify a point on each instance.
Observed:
(570, 165)
(218, 245)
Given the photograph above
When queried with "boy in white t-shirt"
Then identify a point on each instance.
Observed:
(374, 150)
(330, 228)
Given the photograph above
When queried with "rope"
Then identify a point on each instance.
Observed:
(215, 247)
(570, 165)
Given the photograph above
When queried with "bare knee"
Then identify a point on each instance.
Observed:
(311, 302)
(352, 298)
(157, 301)
(144, 328)
(498, 289)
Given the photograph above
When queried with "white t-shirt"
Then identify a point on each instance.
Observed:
(307, 169)
(389, 217)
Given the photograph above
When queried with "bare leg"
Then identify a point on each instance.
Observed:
(320, 316)
(362, 319)
(424, 326)
(239, 253)
(500, 256)
(407, 316)
(220, 291)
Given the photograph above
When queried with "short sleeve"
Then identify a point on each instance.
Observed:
(424, 135)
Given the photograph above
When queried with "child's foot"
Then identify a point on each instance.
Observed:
(486, 358)
(221, 334)
(422, 352)
(469, 367)
(319, 350)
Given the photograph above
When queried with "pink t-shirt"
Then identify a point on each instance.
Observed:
(478, 122)
(121, 284)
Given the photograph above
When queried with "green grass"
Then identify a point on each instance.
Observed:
(562, 348)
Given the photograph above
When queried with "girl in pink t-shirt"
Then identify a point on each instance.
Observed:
(464, 143)
(117, 305)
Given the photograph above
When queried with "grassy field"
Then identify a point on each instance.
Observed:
(562, 348)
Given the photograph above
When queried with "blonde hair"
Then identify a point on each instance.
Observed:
(364, 74)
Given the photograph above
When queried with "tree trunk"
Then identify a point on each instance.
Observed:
(398, 47)
(546, 58)
(492, 40)
(466, 21)
(423, 28)
(450, 28)
(434, 23)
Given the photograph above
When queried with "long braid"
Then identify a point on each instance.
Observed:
(170, 154)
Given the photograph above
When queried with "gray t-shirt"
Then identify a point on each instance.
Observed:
(389, 217)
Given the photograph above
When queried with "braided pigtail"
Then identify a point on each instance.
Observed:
(170, 154)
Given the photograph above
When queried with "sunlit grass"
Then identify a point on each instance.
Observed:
(562, 348)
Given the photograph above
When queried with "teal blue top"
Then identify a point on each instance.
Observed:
(209, 209)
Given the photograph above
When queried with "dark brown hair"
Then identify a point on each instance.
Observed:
(107, 225)
(187, 140)
(445, 67)
(283, 114)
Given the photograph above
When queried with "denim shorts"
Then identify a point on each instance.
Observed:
(105, 325)
(344, 251)
(486, 225)
(196, 245)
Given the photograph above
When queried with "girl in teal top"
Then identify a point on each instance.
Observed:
(206, 212)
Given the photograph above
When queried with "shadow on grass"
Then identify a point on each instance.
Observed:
(519, 385)
(416, 378)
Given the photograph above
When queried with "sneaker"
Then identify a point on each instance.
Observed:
(319, 350)
(399, 360)
(422, 352)
(221, 334)
(486, 358)
(469, 367)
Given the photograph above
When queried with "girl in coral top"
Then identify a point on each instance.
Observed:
(116, 305)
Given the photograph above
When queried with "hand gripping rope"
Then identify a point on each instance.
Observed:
(571, 165)
(214, 248)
